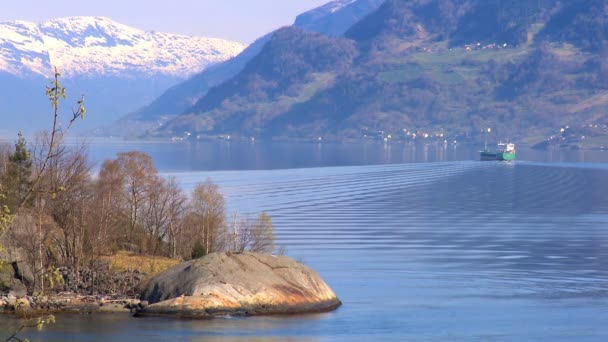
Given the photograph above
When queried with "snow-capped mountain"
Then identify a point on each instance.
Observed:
(117, 67)
(97, 46)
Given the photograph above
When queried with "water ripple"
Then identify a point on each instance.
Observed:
(450, 235)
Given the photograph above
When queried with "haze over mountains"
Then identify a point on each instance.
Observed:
(437, 67)
(118, 67)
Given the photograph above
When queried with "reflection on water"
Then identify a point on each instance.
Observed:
(458, 251)
(224, 155)
(108, 327)
(260, 155)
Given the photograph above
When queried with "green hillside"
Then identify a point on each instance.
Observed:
(444, 68)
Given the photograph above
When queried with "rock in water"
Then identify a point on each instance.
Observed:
(237, 284)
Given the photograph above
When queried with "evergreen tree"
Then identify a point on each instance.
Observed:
(16, 180)
(198, 251)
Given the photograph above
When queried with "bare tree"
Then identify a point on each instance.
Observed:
(72, 205)
(109, 201)
(137, 207)
(55, 93)
(139, 176)
(207, 215)
(262, 235)
(4, 153)
(176, 211)
(239, 234)
(160, 212)
(254, 235)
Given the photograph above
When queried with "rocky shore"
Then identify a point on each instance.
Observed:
(236, 284)
(29, 306)
(81, 291)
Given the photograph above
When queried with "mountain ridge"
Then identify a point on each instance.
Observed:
(117, 67)
(100, 46)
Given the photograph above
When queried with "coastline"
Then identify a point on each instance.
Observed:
(66, 303)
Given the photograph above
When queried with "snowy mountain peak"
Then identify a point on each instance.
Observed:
(89, 46)
(78, 28)
(81, 23)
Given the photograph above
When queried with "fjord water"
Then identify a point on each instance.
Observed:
(439, 250)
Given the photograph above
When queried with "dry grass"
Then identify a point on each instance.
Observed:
(150, 265)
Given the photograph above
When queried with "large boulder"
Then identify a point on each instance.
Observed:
(237, 284)
(8, 283)
(15, 274)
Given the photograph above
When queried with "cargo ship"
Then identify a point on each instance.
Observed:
(504, 152)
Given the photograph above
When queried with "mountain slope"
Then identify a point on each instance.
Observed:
(426, 68)
(289, 63)
(184, 95)
(580, 22)
(100, 58)
(336, 17)
(333, 19)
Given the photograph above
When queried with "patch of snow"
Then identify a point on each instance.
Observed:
(92, 41)
(35, 64)
(335, 6)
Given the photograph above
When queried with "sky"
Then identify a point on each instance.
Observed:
(239, 20)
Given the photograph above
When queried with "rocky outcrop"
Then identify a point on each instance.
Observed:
(15, 274)
(237, 284)
(9, 283)
(102, 281)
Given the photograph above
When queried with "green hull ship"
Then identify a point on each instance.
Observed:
(505, 152)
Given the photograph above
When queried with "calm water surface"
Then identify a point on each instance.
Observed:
(264, 156)
(443, 249)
